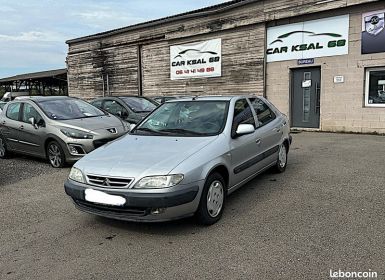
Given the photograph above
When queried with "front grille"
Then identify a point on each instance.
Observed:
(109, 182)
(101, 142)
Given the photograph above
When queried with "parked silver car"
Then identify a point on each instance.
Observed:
(183, 159)
(62, 129)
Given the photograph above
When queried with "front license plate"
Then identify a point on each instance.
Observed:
(103, 198)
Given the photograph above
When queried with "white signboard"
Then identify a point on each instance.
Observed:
(196, 60)
(339, 79)
(317, 38)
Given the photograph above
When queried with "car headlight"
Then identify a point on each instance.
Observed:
(76, 134)
(76, 175)
(159, 182)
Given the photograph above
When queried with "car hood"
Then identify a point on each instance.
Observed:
(135, 156)
(92, 124)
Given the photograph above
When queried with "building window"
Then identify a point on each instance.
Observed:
(375, 87)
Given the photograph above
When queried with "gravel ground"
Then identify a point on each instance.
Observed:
(21, 167)
(325, 213)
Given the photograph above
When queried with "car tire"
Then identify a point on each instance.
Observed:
(280, 167)
(4, 153)
(55, 155)
(213, 200)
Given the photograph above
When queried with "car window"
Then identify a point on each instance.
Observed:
(30, 112)
(187, 118)
(113, 107)
(97, 103)
(139, 104)
(69, 109)
(13, 111)
(242, 115)
(264, 113)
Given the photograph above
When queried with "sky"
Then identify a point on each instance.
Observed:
(33, 32)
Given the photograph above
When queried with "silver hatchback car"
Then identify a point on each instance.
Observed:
(62, 129)
(182, 160)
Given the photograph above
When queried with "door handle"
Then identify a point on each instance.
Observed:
(22, 127)
(258, 141)
(3, 122)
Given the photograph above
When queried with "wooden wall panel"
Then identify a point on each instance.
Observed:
(242, 31)
(242, 66)
(87, 71)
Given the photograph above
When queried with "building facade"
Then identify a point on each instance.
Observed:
(320, 62)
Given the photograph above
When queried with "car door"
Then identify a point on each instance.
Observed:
(32, 138)
(244, 149)
(269, 130)
(10, 125)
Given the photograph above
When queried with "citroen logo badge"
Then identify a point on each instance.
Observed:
(106, 182)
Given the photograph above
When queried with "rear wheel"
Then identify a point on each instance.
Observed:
(55, 154)
(3, 148)
(282, 159)
(212, 201)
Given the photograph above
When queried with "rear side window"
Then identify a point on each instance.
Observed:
(13, 111)
(263, 111)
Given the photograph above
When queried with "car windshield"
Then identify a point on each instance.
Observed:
(138, 104)
(69, 109)
(186, 118)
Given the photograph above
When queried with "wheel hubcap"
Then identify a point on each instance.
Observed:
(2, 148)
(282, 156)
(215, 198)
(54, 155)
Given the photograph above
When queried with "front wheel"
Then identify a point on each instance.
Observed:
(282, 159)
(212, 201)
(55, 154)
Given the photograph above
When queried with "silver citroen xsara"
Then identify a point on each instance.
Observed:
(61, 129)
(182, 160)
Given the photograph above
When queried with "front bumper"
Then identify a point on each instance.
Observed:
(139, 206)
(86, 146)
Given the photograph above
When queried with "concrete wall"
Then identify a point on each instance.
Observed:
(342, 105)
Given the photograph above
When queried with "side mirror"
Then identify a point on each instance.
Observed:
(132, 126)
(244, 129)
(33, 122)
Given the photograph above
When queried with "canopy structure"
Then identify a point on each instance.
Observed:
(52, 82)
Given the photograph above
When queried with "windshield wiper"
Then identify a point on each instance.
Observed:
(183, 131)
(145, 129)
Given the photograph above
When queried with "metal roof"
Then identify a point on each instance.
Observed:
(191, 14)
(35, 75)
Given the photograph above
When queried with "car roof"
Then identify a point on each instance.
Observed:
(38, 99)
(120, 96)
(213, 98)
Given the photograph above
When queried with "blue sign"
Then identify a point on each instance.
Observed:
(305, 61)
